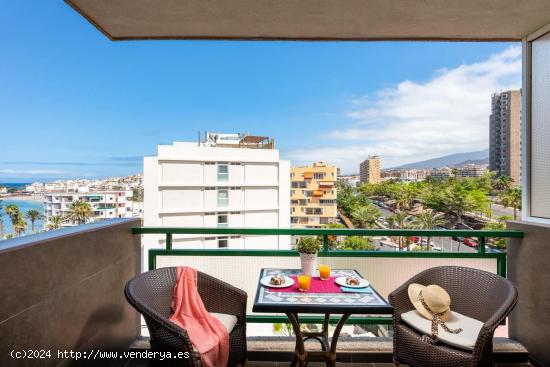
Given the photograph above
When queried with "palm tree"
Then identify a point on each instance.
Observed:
(366, 215)
(403, 197)
(399, 220)
(511, 198)
(16, 218)
(79, 212)
(33, 215)
(20, 226)
(55, 222)
(13, 212)
(502, 183)
(428, 219)
(457, 201)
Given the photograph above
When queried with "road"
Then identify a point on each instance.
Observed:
(498, 211)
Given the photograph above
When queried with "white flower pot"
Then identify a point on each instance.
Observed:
(309, 263)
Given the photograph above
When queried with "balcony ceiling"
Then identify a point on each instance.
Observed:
(489, 20)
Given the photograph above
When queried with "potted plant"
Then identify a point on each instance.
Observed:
(308, 247)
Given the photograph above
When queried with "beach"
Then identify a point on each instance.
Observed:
(36, 197)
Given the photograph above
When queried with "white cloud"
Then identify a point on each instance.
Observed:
(414, 121)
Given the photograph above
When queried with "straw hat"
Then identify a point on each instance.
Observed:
(435, 297)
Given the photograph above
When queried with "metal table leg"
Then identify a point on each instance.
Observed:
(300, 353)
(301, 356)
(332, 354)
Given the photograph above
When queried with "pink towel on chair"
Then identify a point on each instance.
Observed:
(206, 332)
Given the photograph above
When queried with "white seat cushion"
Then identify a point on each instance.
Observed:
(464, 340)
(229, 321)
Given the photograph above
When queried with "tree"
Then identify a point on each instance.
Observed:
(511, 198)
(137, 194)
(13, 212)
(428, 219)
(33, 215)
(332, 238)
(398, 220)
(55, 222)
(457, 201)
(502, 183)
(20, 225)
(499, 243)
(350, 198)
(80, 212)
(357, 243)
(366, 216)
(17, 221)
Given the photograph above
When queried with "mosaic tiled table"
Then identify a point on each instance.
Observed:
(292, 303)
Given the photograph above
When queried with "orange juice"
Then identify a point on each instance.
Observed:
(324, 271)
(304, 282)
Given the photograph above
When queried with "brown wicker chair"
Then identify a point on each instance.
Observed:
(150, 294)
(475, 293)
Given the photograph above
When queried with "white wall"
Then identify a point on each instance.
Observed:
(179, 172)
(261, 198)
(182, 198)
(261, 174)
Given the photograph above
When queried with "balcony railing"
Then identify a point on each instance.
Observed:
(385, 269)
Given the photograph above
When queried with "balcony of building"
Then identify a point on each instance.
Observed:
(66, 289)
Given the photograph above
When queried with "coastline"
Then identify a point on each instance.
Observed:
(37, 198)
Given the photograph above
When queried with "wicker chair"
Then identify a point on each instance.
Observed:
(150, 294)
(475, 293)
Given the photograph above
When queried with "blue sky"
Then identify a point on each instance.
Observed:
(74, 104)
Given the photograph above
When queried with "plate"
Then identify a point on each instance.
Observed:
(342, 281)
(266, 282)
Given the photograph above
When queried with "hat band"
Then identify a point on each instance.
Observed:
(436, 320)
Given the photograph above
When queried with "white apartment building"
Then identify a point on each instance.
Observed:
(441, 173)
(105, 204)
(471, 170)
(35, 187)
(350, 180)
(227, 180)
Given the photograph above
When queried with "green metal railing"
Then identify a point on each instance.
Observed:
(326, 233)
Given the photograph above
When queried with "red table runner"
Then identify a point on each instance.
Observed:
(317, 286)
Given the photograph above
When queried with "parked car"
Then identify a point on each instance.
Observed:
(436, 248)
(458, 239)
(470, 242)
(414, 239)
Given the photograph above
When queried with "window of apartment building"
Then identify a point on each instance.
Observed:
(319, 175)
(222, 242)
(223, 172)
(222, 220)
(223, 197)
(298, 184)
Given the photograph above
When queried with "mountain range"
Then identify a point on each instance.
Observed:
(451, 160)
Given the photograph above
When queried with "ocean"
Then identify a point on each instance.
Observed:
(24, 206)
(14, 185)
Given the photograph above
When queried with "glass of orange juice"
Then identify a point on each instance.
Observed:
(304, 282)
(324, 272)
